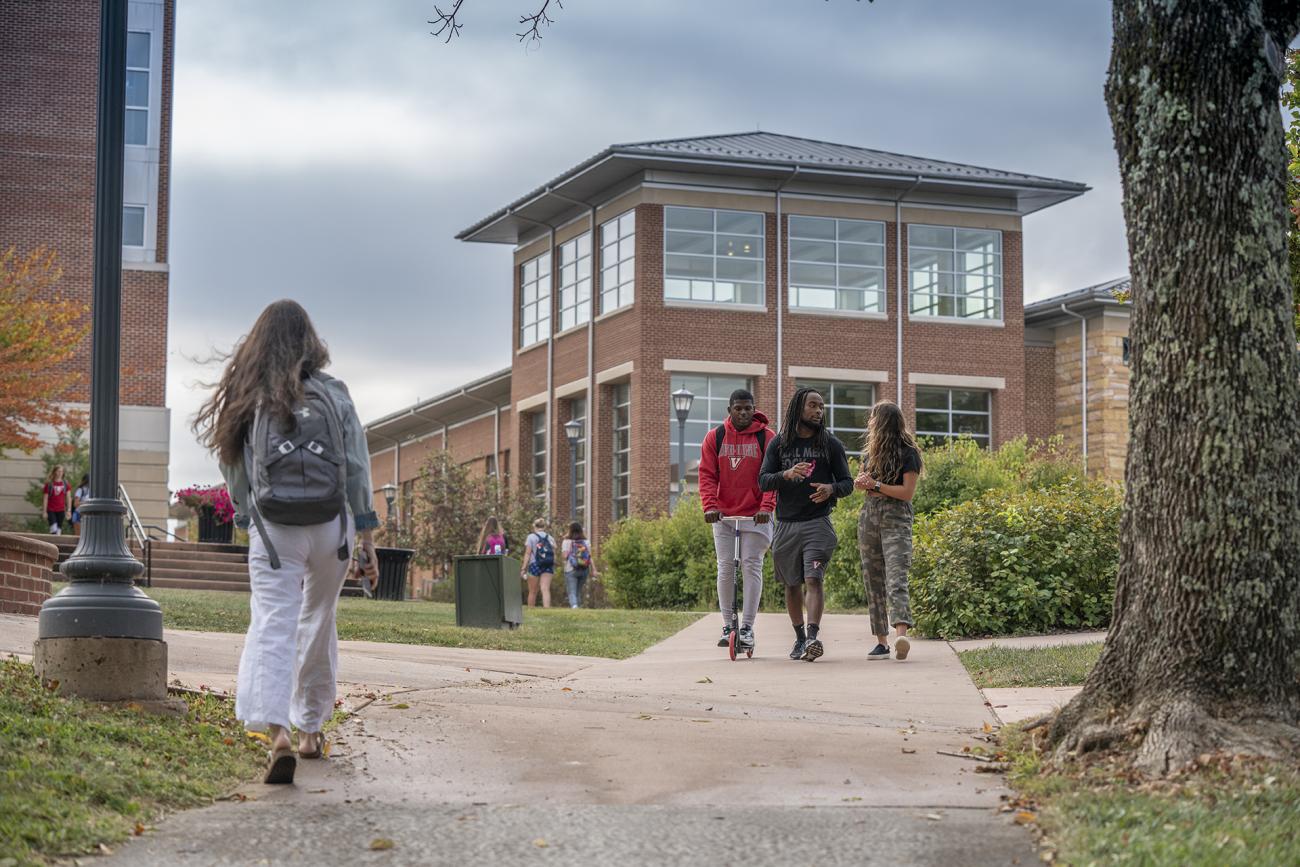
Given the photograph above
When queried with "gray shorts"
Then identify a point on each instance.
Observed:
(801, 550)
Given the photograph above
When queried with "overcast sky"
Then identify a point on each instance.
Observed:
(329, 152)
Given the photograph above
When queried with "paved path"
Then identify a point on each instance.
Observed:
(675, 756)
(1024, 703)
(1030, 641)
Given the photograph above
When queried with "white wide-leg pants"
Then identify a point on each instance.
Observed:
(288, 671)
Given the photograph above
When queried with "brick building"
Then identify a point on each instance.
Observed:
(49, 55)
(754, 260)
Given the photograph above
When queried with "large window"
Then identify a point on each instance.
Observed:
(955, 272)
(713, 256)
(837, 265)
(578, 412)
(944, 414)
(618, 262)
(539, 455)
(847, 406)
(708, 410)
(133, 226)
(535, 300)
(575, 281)
(137, 88)
(622, 403)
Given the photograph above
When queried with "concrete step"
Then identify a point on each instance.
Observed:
(166, 552)
(198, 574)
(350, 588)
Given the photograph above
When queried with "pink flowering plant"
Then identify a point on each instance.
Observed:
(216, 496)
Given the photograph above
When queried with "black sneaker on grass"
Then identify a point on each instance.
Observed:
(880, 651)
(813, 649)
(797, 652)
(726, 635)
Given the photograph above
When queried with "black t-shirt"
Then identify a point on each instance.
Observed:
(911, 463)
(832, 468)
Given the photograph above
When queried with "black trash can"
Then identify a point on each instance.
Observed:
(393, 563)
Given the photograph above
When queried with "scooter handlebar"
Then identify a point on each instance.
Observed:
(737, 518)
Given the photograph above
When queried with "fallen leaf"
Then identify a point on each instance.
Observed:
(230, 742)
(402, 706)
(1024, 817)
(317, 791)
(645, 716)
(540, 843)
(934, 817)
(987, 728)
(705, 680)
(139, 829)
(381, 843)
(908, 750)
(260, 736)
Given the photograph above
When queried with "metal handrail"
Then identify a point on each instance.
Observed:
(141, 537)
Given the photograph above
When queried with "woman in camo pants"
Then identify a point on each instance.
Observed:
(891, 465)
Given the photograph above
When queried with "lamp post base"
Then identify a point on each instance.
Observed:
(103, 669)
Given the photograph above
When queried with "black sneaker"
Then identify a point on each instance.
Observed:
(813, 649)
(726, 635)
(746, 637)
(797, 652)
(880, 651)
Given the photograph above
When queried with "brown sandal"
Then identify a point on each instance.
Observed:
(281, 767)
(316, 745)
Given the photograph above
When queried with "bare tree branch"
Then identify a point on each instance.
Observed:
(447, 22)
(537, 21)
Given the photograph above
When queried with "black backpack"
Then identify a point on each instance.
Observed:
(544, 553)
(764, 436)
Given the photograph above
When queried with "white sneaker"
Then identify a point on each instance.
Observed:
(901, 647)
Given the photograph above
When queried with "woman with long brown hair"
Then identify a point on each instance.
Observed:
(891, 466)
(294, 456)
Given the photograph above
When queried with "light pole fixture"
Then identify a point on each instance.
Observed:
(682, 400)
(390, 497)
(101, 614)
(573, 433)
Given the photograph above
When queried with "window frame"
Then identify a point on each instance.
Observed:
(998, 300)
(714, 257)
(575, 287)
(537, 303)
(538, 480)
(882, 293)
(621, 287)
(711, 399)
(147, 108)
(144, 225)
(621, 399)
(832, 405)
(938, 437)
(578, 461)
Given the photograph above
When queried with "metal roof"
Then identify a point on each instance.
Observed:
(1091, 299)
(428, 416)
(764, 156)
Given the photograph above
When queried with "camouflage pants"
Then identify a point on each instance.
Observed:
(885, 547)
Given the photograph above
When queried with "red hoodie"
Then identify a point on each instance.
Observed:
(729, 482)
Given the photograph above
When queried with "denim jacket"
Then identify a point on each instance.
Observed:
(358, 463)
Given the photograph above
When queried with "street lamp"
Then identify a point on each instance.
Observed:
(101, 614)
(682, 400)
(573, 432)
(390, 496)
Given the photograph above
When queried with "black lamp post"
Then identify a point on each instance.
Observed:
(682, 400)
(573, 433)
(102, 603)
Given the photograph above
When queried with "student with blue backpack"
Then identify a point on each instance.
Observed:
(294, 456)
(539, 563)
(577, 563)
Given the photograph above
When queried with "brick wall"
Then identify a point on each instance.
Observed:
(25, 574)
(1108, 385)
(1040, 392)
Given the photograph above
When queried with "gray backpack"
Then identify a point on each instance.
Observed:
(298, 476)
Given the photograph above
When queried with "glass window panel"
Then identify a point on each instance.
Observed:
(137, 126)
(132, 226)
(812, 275)
(739, 245)
(626, 271)
(740, 223)
(979, 240)
(530, 270)
(627, 224)
(627, 248)
(862, 278)
(608, 233)
(854, 394)
(568, 274)
(932, 398)
(812, 227)
(847, 417)
(822, 299)
(698, 219)
(137, 49)
(740, 269)
(970, 424)
(930, 260)
(855, 300)
(929, 236)
(544, 265)
(970, 401)
(680, 289)
(749, 293)
(688, 242)
(859, 230)
(980, 262)
(137, 89)
(584, 244)
(609, 277)
(931, 422)
(584, 267)
(702, 290)
(862, 254)
(688, 266)
(812, 251)
(725, 292)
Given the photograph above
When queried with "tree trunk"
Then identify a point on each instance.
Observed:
(1204, 649)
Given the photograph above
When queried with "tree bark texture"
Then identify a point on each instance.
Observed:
(1204, 649)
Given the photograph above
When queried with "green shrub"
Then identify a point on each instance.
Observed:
(665, 562)
(1018, 562)
(960, 470)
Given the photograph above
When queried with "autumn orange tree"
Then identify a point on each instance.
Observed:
(39, 331)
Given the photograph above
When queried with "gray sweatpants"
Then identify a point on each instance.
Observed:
(754, 542)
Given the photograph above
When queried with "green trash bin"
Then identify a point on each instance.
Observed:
(392, 573)
(487, 592)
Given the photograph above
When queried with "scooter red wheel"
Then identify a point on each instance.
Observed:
(731, 645)
(749, 654)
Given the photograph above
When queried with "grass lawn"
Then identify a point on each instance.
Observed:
(1065, 665)
(75, 774)
(608, 632)
(1227, 812)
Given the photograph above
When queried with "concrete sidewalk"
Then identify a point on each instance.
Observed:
(675, 756)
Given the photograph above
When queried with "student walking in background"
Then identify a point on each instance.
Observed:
(55, 500)
(808, 469)
(539, 563)
(730, 458)
(294, 456)
(78, 497)
(578, 566)
(891, 466)
(492, 539)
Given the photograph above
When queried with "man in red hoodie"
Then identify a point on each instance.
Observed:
(730, 457)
